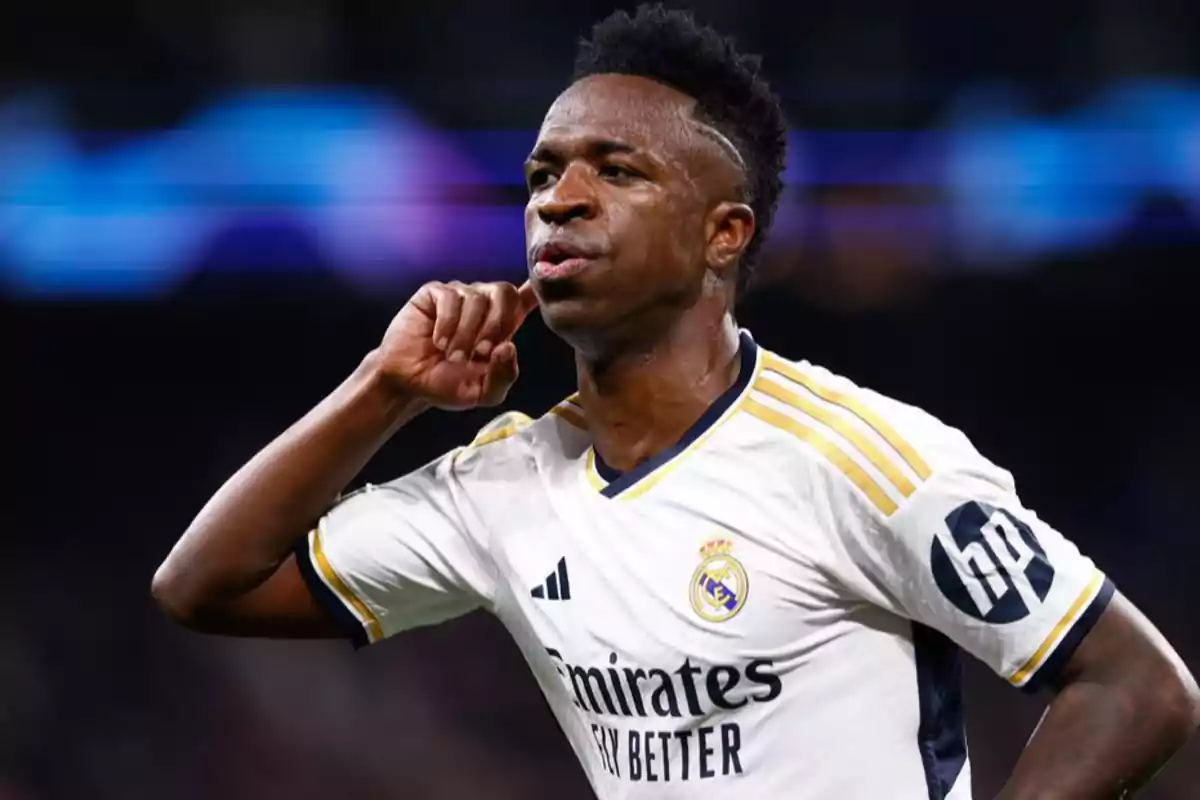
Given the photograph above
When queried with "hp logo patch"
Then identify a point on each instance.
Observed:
(988, 564)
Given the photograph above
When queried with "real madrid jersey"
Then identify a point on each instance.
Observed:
(771, 608)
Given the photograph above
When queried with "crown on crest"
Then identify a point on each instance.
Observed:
(716, 547)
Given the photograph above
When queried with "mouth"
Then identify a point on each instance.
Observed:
(561, 259)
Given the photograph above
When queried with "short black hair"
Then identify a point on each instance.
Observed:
(670, 47)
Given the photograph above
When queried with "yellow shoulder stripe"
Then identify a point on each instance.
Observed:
(780, 367)
(502, 427)
(843, 429)
(857, 475)
(571, 413)
(495, 435)
(1029, 667)
(334, 582)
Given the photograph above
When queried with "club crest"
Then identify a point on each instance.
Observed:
(719, 584)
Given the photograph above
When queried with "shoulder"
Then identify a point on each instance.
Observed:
(515, 440)
(883, 448)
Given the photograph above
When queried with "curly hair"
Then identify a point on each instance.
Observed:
(670, 47)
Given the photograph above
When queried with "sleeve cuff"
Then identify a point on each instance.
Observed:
(328, 599)
(1046, 675)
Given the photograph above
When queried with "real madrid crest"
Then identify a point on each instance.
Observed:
(719, 584)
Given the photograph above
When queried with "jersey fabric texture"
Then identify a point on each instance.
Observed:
(772, 608)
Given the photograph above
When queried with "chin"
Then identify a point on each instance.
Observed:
(578, 321)
(595, 331)
(570, 315)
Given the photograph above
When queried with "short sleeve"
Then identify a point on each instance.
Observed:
(399, 555)
(963, 556)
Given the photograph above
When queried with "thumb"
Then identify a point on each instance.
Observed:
(527, 301)
(502, 373)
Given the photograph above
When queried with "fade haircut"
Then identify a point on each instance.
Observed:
(732, 97)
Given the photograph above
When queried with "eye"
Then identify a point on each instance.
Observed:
(539, 179)
(617, 172)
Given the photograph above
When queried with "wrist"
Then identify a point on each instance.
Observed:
(397, 400)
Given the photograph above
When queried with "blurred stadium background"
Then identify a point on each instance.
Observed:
(209, 211)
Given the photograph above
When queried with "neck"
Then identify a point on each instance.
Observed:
(644, 399)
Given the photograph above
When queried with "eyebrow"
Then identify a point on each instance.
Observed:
(596, 148)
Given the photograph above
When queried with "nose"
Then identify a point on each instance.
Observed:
(571, 197)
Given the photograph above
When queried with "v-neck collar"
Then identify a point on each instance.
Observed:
(613, 483)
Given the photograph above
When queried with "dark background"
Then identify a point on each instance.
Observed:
(1039, 296)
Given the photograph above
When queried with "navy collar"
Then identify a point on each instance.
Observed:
(618, 482)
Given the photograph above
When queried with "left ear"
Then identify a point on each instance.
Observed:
(727, 231)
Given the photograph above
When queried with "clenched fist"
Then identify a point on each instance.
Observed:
(451, 344)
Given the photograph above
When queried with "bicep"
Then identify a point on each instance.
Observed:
(1124, 704)
(1125, 647)
(281, 607)
(382, 560)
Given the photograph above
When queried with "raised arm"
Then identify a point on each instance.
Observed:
(232, 572)
(1124, 704)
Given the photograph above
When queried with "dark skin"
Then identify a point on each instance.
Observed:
(1124, 704)
(623, 171)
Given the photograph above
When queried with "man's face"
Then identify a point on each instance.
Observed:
(621, 187)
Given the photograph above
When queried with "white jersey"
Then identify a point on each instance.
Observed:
(772, 608)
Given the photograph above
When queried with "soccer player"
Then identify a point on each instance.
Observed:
(733, 574)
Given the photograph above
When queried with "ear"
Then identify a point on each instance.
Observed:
(727, 231)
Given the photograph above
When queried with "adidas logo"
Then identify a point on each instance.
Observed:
(556, 586)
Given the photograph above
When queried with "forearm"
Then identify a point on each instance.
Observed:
(251, 524)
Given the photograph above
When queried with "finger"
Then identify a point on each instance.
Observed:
(518, 303)
(527, 300)
(447, 309)
(474, 309)
(502, 373)
(498, 323)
